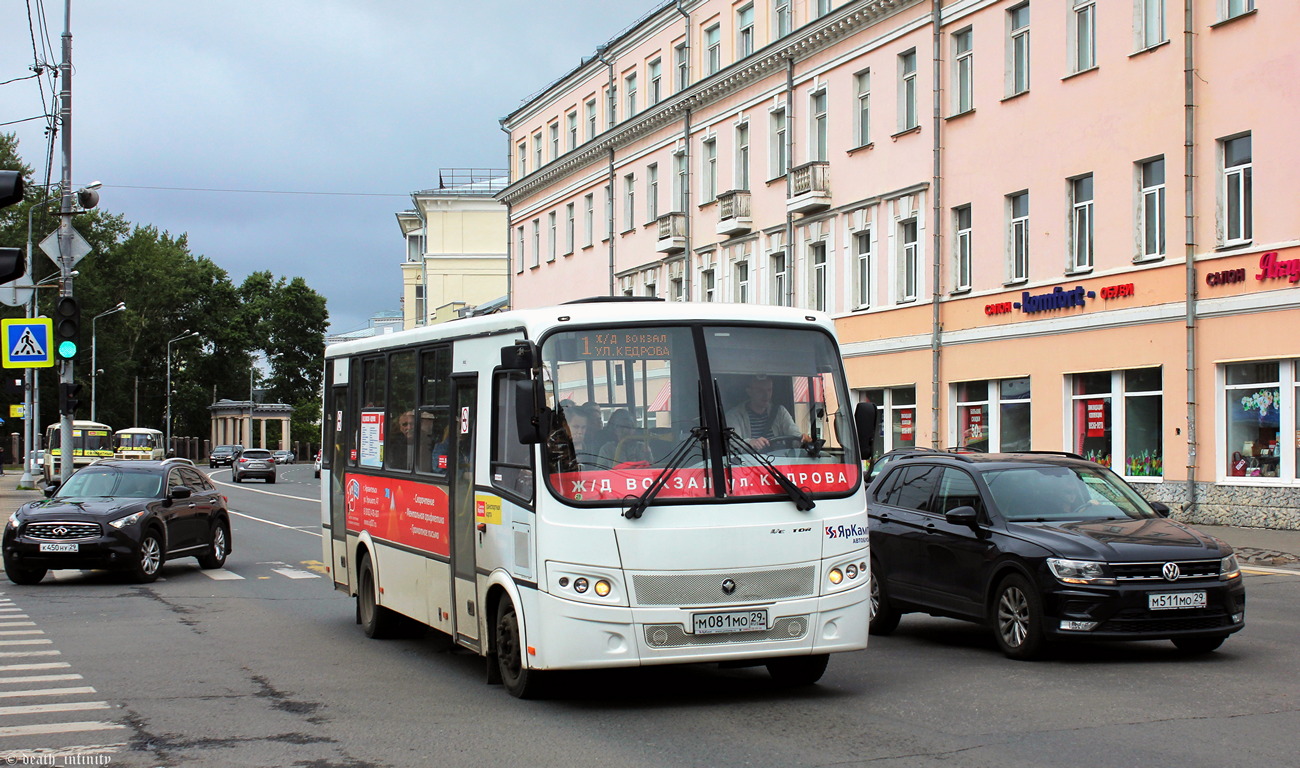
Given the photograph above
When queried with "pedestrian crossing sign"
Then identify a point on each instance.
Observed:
(27, 342)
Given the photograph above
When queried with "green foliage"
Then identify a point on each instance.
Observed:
(169, 291)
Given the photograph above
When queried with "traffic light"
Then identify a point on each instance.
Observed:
(13, 262)
(67, 327)
(69, 398)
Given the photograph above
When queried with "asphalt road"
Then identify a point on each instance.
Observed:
(261, 664)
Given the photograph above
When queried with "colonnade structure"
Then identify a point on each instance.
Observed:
(234, 422)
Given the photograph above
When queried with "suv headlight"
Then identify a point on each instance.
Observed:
(131, 519)
(1080, 572)
(14, 520)
(1228, 568)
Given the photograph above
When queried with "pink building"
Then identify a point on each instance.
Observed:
(1038, 224)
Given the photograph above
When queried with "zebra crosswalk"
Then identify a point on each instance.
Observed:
(42, 696)
(241, 573)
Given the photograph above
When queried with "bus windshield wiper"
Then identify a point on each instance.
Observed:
(674, 463)
(802, 500)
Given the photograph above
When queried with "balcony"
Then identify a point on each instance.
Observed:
(672, 233)
(810, 187)
(733, 213)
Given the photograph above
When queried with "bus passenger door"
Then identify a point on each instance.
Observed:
(463, 561)
(334, 457)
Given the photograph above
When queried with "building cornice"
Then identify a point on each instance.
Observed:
(807, 41)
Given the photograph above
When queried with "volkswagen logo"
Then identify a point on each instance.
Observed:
(1170, 572)
(60, 531)
(728, 586)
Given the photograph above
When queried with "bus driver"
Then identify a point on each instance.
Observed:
(758, 420)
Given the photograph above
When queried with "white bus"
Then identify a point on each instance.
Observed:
(91, 441)
(138, 443)
(464, 490)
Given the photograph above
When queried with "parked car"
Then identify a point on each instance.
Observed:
(224, 456)
(1041, 548)
(317, 463)
(128, 515)
(283, 457)
(254, 462)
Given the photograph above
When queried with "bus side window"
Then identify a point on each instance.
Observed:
(512, 466)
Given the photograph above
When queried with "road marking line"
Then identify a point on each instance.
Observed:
(13, 616)
(15, 654)
(17, 623)
(38, 665)
(243, 487)
(45, 641)
(32, 730)
(71, 706)
(293, 573)
(22, 631)
(46, 692)
(221, 575)
(277, 525)
(1260, 570)
(51, 753)
(40, 678)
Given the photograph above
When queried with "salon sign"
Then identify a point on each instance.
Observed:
(1271, 268)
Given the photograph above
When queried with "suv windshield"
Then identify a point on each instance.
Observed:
(627, 399)
(108, 482)
(1063, 493)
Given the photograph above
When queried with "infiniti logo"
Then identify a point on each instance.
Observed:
(728, 586)
(60, 531)
(1170, 572)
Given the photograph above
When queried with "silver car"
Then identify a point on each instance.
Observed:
(253, 462)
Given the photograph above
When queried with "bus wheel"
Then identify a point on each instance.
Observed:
(795, 671)
(521, 682)
(376, 621)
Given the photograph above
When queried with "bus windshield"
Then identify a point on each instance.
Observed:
(628, 399)
(83, 439)
(135, 440)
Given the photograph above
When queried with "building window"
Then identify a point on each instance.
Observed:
(420, 317)
(908, 117)
(1151, 22)
(682, 63)
(1151, 226)
(741, 281)
(588, 219)
(677, 288)
(629, 202)
(1083, 23)
(818, 127)
(1260, 398)
(1018, 237)
(1018, 49)
(962, 248)
(519, 249)
(1238, 201)
(745, 31)
(591, 119)
(742, 156)
(652, 191)
(572, 124)
(1081, 228)
(522, 160)
(651, 288)
(708, 284)
(568, 228)
(898, 417)
(654, 73)
(781, 17)
(709, 171)
(1235, 8)
(537, 150)
(611, 105)
(680, 185)
(780, 279)
(817, 285)
(909, 274)
(551, 231)
(537, 242)
(1131, 432)
(555, 140)
(862, 269)
(862, 129)
(778, 152)
(712, 49)
(608, 196)
(629, 95)
(992, 416)
(823, 7)
(963, 71)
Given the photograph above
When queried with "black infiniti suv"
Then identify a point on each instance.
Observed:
(120, 515)
(1043, 547)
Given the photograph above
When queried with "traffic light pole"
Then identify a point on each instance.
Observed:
(65, 232)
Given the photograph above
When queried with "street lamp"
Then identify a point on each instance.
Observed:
(184, 335)
(94, 369)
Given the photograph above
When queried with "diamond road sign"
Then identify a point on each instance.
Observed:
(27, 343)
(79, 247)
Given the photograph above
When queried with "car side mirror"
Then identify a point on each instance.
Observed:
(965, 515)
(1160, 509)
(179, 492)
(50, 489)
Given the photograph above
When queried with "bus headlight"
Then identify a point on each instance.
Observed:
(602, 588)
(585, 583)
(836, 576)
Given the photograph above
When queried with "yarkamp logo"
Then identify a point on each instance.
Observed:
(845, 531)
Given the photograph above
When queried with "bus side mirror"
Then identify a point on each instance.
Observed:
(523, 355)
(866, 417)
(530, 420)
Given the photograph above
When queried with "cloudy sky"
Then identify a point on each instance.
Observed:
(328, 112)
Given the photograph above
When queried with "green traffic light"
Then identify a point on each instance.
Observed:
(67, 349)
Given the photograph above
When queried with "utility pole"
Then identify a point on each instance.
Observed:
(65, 233)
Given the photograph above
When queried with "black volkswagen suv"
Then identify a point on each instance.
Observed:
(120, 515)
(1043, 547)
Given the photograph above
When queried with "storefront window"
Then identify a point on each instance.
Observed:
(973, 415)
(991, 416)
(902, 417)
(1133, 431)
(1013, 415)
(1253, 393)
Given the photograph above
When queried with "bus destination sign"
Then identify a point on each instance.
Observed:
(624, 345)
